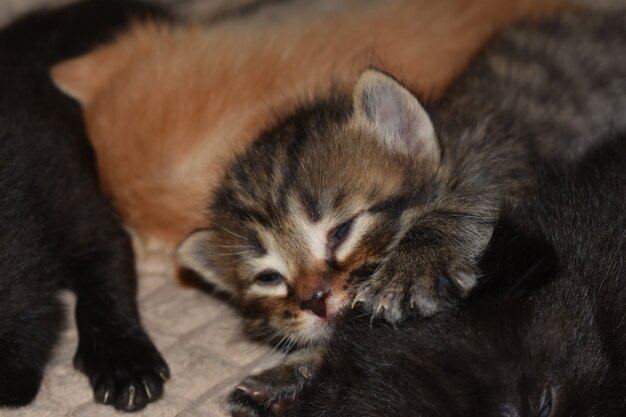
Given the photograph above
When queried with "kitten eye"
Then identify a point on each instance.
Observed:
(341, 232)
(269, 278)
(546, 403)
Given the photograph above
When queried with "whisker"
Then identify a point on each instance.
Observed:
(262, 344)
(231, 232)
(247, 252)
(231, 246)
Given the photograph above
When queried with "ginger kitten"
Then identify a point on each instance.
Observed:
(168, 107)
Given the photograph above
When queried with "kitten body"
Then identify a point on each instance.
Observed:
(161, 151)
(56, 229)
(553, 348)
(378, 194)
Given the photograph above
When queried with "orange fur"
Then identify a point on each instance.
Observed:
(168, 107)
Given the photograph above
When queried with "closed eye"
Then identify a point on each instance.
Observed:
(338, 234)
(269, 278)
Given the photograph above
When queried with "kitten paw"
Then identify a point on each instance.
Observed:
(271, 393)
(127, 374)
(394, 294)
(18, 385)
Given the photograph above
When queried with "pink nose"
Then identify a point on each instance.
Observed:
(316, 304)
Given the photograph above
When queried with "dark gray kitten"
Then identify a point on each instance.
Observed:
(550, 343)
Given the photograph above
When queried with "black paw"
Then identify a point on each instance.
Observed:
(400, 288)
(271, 393)
(127, 374)
(18, 387)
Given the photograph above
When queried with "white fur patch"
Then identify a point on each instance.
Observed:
(316, 237)
(268, 290)
(313, 328)
(272, 261)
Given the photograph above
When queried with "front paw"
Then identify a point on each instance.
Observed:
(271, 393)
(415, 283)
(19, 384)
(127, 374)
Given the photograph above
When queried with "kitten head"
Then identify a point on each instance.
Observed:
(315, 205)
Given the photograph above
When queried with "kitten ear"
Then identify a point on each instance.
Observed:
(84, 77)
(401, 123)
(193, 254)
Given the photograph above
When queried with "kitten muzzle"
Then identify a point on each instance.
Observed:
(317, 303)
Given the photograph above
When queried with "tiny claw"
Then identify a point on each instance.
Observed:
(305, 372)
(131, 397)
(257, 396)
(147, 389)
(105, 400)
(163, 376)
(361, 297)
(379, 310)
(242, 388)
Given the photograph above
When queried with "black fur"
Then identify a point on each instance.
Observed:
(56, 229)
(550, 343)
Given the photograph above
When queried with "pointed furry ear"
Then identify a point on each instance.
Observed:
(402, 124)
(83, 77)
(193, 253)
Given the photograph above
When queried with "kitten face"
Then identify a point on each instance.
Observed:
(297, 242)
(312, 208)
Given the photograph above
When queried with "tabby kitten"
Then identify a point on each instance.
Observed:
(380, 200)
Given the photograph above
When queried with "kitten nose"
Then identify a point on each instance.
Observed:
(317, 303)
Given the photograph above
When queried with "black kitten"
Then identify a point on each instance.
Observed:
(550, 343)
(56, 229)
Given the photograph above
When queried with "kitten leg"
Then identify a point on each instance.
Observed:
(432, 267)
(27, 335)
(123, 366)
(274, 392)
